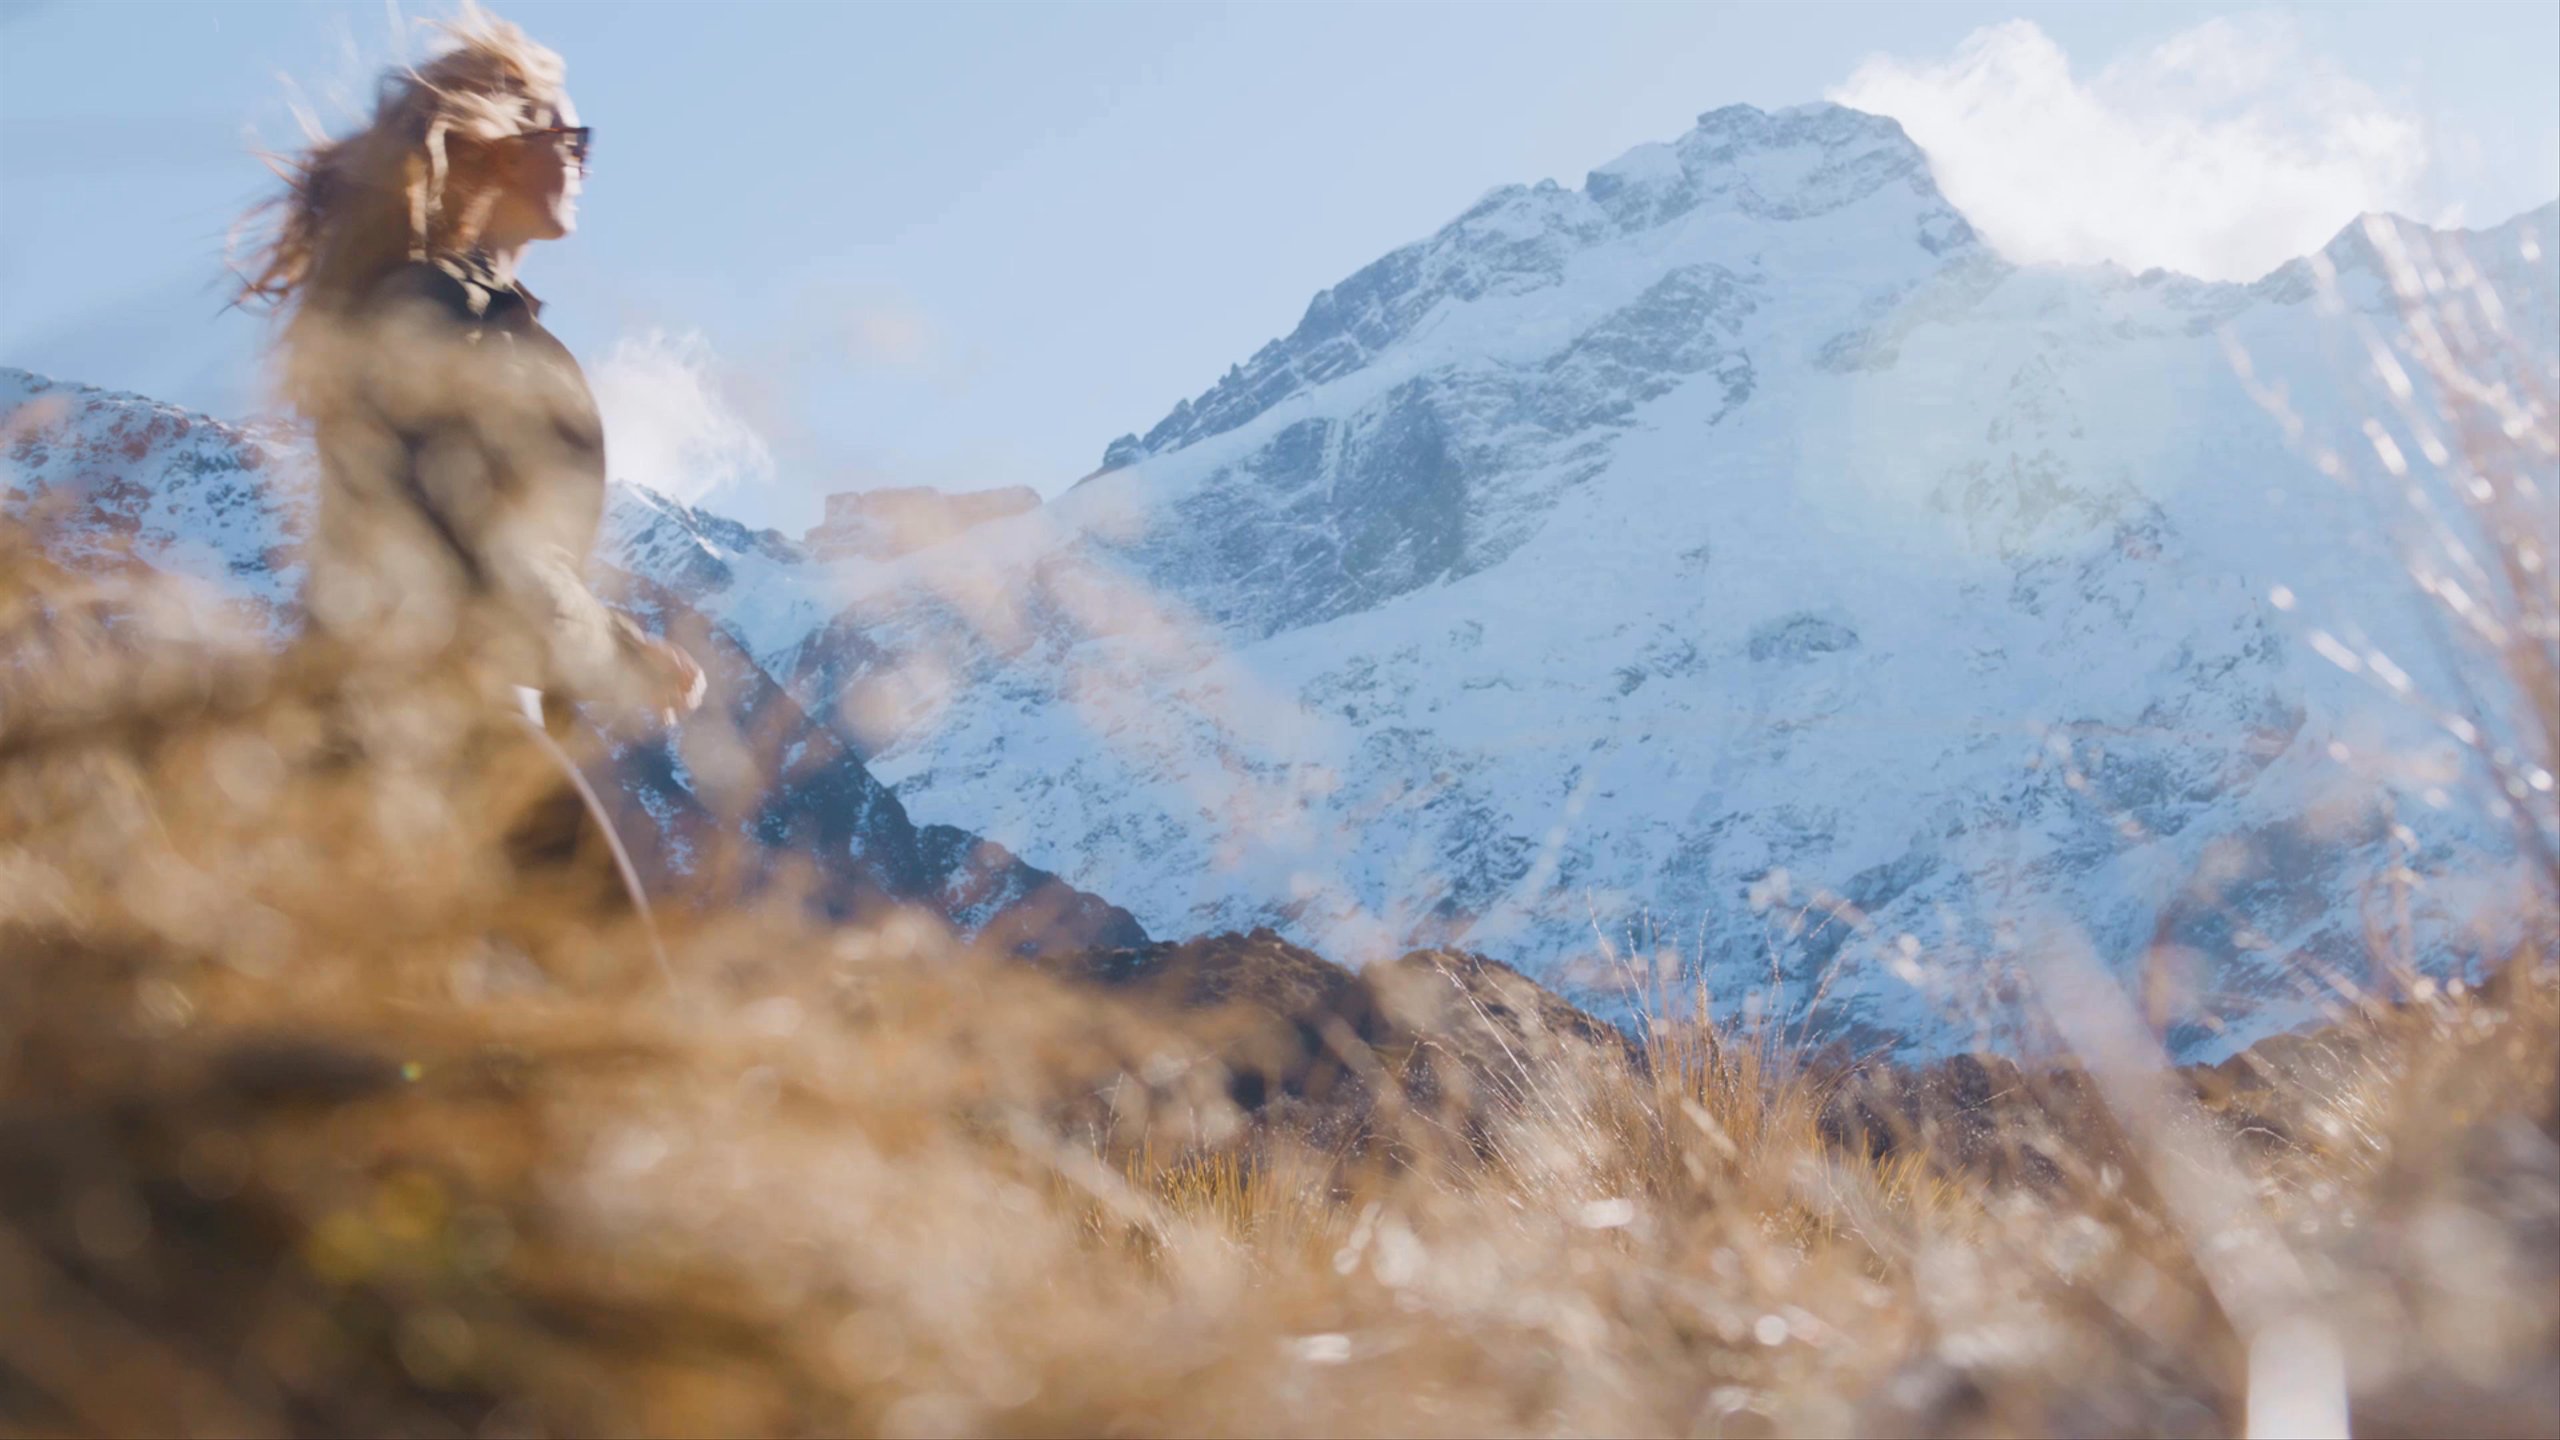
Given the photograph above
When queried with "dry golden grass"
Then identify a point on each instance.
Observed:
(318, 1115)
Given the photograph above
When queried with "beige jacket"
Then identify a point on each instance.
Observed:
(462, 483)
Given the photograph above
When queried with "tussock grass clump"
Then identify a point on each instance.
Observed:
(326, 1108)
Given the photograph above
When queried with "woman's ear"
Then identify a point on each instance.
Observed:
(468, 163)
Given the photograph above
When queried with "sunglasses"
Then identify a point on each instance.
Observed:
(579, 140)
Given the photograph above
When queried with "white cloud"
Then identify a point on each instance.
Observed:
(2222, 151)
(670, 426)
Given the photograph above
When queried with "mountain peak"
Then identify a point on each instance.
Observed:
(1732, 156)
(2515, 255)
(1725, 545)
(1740, 162)
(1792, 123)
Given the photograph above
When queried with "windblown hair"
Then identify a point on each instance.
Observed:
(356, 208)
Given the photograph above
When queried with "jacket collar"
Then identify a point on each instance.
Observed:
(479, 278)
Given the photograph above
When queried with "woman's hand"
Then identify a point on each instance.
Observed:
(680, 682)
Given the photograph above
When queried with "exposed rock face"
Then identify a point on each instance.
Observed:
(799, 800)
(1488, 1018)
(116, 481)
(1464, 1036)
(878, 524)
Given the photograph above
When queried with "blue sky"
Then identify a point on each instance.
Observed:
(829, 247)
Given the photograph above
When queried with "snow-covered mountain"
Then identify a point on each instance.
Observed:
(1734, 557)
(119, 482)
(1732, 554)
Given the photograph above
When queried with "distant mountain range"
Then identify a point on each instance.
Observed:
(118, 480)
(1730, 557)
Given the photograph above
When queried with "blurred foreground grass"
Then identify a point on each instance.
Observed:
(319, 1114)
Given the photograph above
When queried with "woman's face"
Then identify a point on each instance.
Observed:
(538, 181)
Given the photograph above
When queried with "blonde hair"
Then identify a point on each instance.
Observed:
(356, 208)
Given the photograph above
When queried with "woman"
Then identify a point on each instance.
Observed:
(462, 467)
(461, 457)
